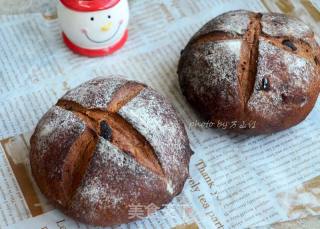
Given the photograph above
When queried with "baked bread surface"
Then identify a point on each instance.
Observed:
(246, 67)
(107, 146)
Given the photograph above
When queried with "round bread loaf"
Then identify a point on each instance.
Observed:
(107, 147)
(250, 72)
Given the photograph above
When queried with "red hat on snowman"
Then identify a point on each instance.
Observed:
(89, 5)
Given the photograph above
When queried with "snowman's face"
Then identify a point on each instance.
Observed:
(95, 30)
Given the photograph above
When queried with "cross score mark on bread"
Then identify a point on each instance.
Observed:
(122, 135)
(250, 41)
(238, 67)
(106, 145)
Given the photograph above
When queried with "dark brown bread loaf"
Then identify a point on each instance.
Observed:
(246, 67)
(107, 145)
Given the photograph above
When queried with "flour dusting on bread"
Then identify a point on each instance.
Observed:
(57, 123)
(99, 183)
(277, 25)
(283, 63)
(270, 78)
(211, 70)
(154, 118)
(231, 22)
(95, 94)
(114, 179)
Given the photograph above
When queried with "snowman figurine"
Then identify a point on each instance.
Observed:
(94, 27)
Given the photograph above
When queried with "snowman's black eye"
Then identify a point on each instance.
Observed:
(109, 16)
(92, 18)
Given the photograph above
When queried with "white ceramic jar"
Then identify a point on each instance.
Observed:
(94, 28)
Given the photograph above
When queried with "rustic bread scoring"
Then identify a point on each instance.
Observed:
(246, 67)
(107, 145)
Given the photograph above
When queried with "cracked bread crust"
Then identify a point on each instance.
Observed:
(96, 153)
(263, 70)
